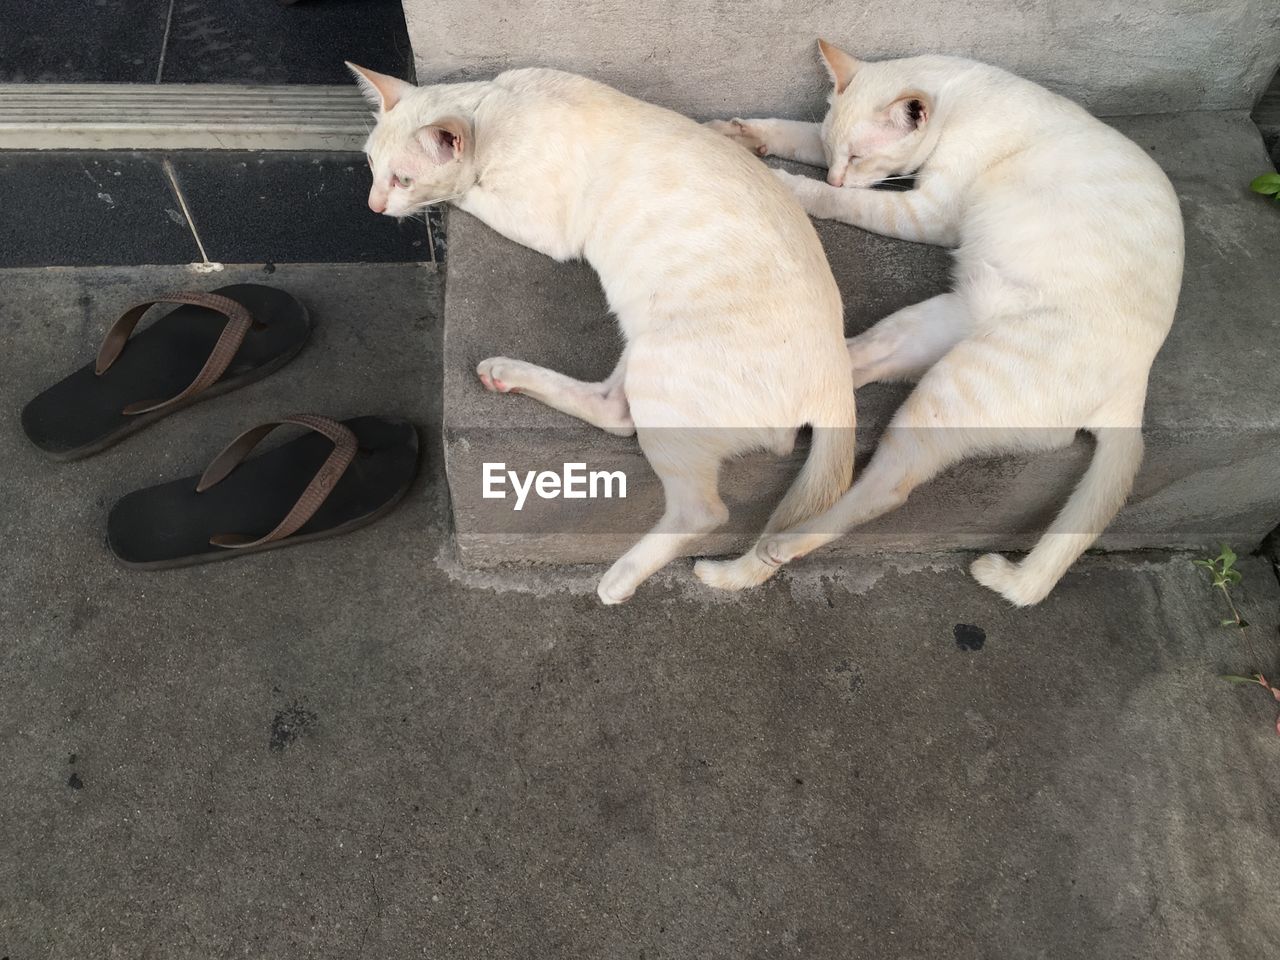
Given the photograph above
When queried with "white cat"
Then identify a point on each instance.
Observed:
(1068, 248)
(732, 321)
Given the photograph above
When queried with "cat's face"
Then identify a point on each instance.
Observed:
(876, 126)
(418, 155)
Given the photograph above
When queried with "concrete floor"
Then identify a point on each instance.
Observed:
(355, 749)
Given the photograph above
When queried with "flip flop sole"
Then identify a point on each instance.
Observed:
(171, 525)
(82, 414)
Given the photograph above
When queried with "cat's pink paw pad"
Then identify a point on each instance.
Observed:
(487, 372)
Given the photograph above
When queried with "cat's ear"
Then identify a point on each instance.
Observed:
(839, 64)
(910, 111)
(446, 140)
(382, 91)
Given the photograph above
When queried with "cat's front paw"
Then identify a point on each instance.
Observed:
(811, 193)
(743, 133)
(495, 374)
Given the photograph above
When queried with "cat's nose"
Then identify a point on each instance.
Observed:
(835, 179)
(376, 205)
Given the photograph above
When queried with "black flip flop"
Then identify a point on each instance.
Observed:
(321, 484)
(214, 343)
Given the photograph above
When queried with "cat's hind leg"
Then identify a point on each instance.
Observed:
(905, 344)
(602, 405)
(905, 458)
(689, 470)
(1097, 498)
(946, 418)
(971, 401)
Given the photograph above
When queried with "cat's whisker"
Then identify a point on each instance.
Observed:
(431, 203)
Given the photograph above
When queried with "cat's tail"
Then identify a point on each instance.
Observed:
(826, 474)
(1097, 498)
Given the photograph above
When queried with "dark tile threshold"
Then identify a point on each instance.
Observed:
(298, 207)
(81, 41)
(262, 41)
(74, 208)
(209, 41)
(79, 209)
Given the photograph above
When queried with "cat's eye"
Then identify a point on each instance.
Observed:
(405, 182)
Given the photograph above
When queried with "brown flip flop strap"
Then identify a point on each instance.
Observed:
(239, 321)
(316, 492)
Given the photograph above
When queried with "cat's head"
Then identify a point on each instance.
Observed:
(877, 125)
(420, 152)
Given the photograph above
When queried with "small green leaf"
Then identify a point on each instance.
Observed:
(1233, 678)
(1268, 184)
(1207, 564)
(1243, 623)
(1233, 576)
(1228, 556)
(1228, 623)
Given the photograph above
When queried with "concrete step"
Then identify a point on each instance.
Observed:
(1212, 470)
(1267, 116)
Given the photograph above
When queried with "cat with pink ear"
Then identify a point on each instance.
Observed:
(731, 320)
(1068, 260)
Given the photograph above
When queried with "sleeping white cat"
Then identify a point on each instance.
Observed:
(1068, 259)
(732, 321)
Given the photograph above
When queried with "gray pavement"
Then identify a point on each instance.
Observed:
(358, 749)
